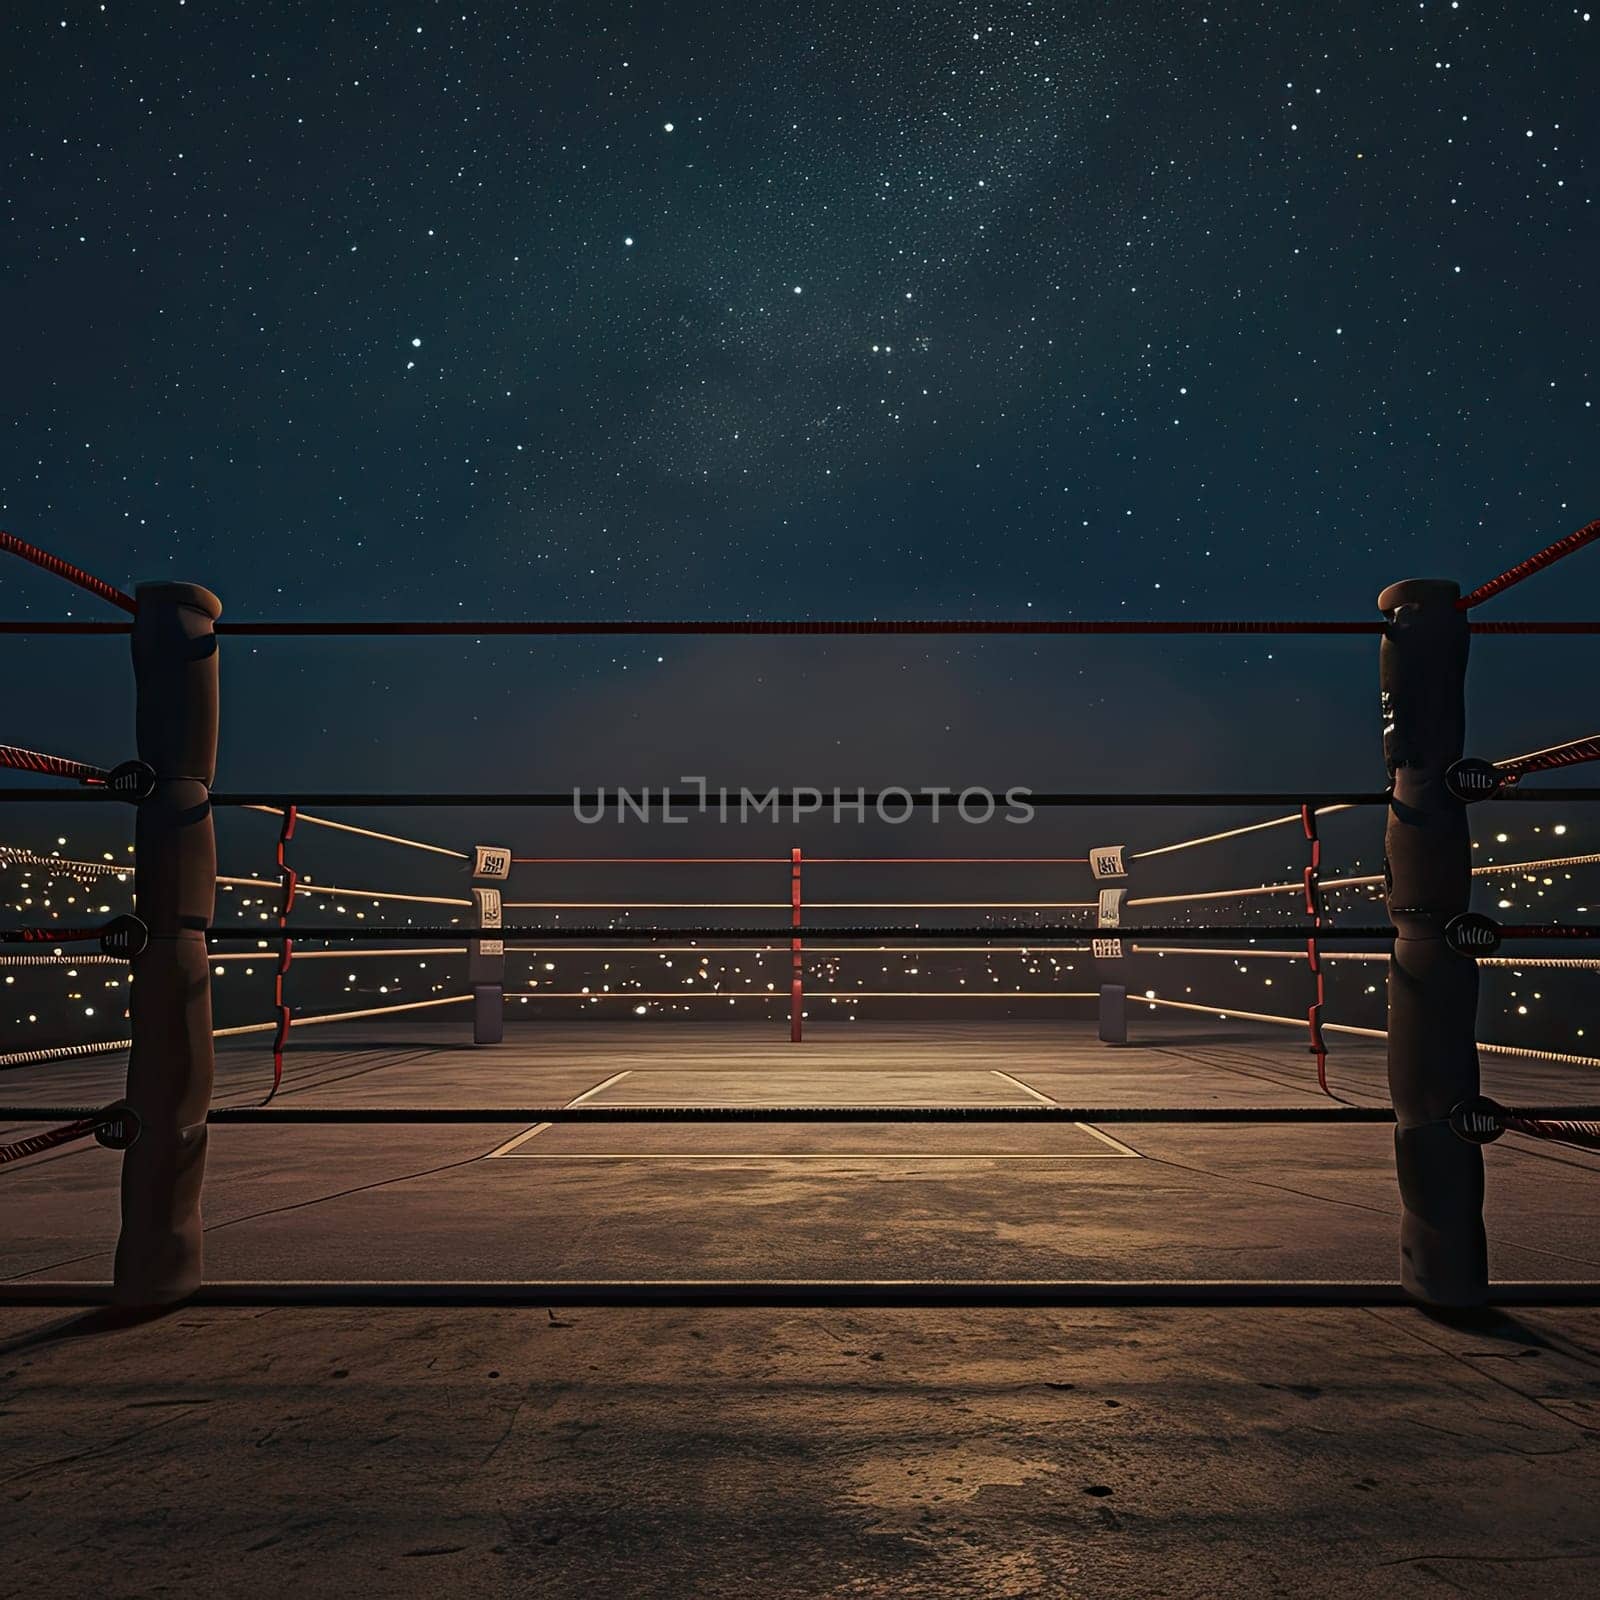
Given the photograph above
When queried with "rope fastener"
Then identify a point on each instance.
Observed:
(124, 936)
(122, 1130)
(132, 780)
(1471, 779)
(1472, 934)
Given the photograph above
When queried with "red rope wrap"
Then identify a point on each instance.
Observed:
(289, 881)
(64, 569)
(1313, 890)
(20, 760)
(1526, 569)
(1561, 755)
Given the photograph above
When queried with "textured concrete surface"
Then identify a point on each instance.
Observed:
(652, 1454)
(806, 1454)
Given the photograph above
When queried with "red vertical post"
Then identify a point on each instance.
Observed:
(288, 882)
(797, 982)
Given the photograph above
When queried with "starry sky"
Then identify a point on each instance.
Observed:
(899, 309)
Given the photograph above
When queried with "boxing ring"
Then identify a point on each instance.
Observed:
(1108, 913)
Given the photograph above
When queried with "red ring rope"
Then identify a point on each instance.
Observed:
(20, 760)
(1526, 569)
(1561, 755)
(64, 569)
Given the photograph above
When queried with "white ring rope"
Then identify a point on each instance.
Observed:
(59, 959)
(1227, 1012)
(23, 1058)
(270, 955)
(785, 946)
(1369, 880)
(365, 833)
(305, 887)
(813, 995)
(1570, 963)
(1231, 833)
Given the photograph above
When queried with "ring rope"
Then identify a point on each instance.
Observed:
(593, 1112)
(313, 955)
(29, 1058)
(1482, 1121)
(111, 1119)
(1526, 569)
(1366, 881)
(61, 960)
(64, 569)
(566, 799)
(1040, 934)
(1574, 963)
(365, 833)
(1037, 934)
(1230, 833)
(784, 861)
(1313, 902)
(814, 905)
(65, 1052)
(1570, 754)
(1560, 1058)
(814, 995)
(12, 855)
(774, 948)
(20, 760)
(329, 889)
(1295, 816)
(712, 629)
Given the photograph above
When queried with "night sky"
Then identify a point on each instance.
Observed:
(819, 310)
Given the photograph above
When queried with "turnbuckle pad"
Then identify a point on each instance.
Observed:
(1477, 1120)
(1472, 934)
(124, 936)
(122, 1130)
(1471, 779)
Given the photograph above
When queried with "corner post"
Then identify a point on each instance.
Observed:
(486, 958)
(1432, 991)
(171, 1064)
(1108, 863)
